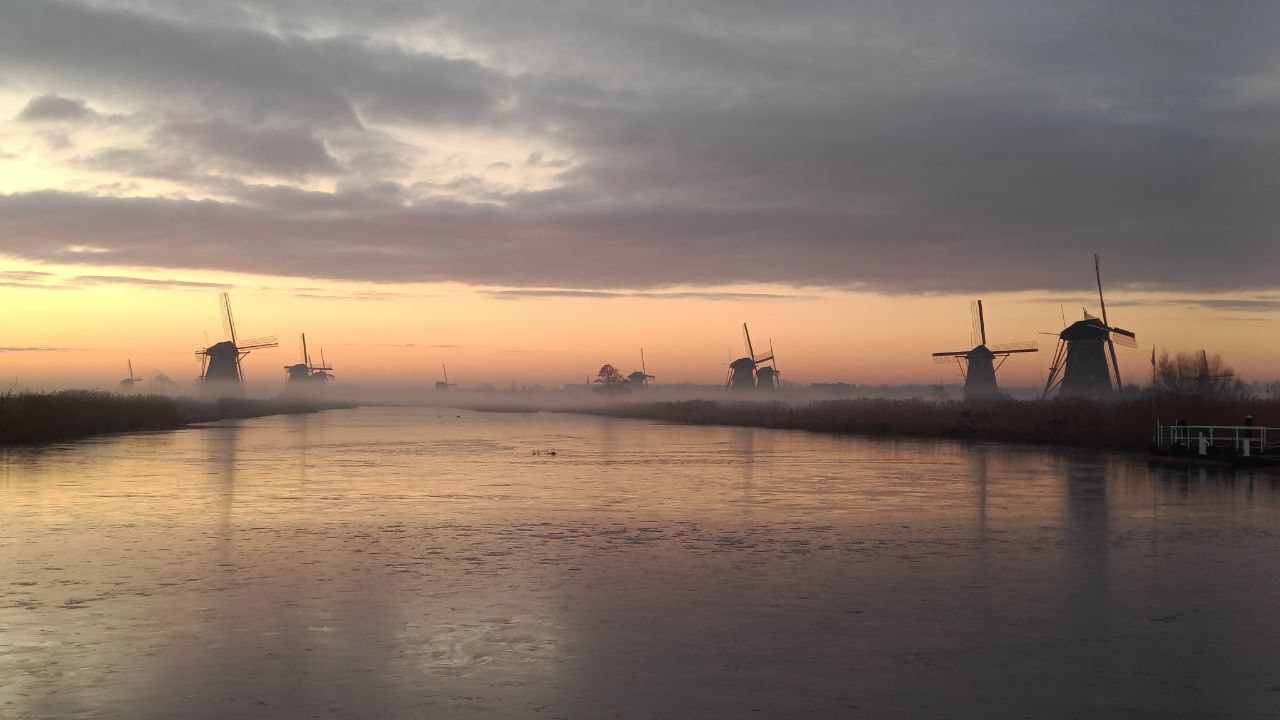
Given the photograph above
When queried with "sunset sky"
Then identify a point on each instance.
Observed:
(528, 190)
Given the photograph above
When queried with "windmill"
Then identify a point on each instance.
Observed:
(746, 373)
(639, 380)
(305, 371)
(445, 384)
(127, 384)
(220, 370)
(1205, 379)
(1085, 361)
(979, 365)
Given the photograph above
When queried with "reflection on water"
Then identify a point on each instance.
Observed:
(424, 563)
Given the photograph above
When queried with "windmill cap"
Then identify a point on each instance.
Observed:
(1091, 329)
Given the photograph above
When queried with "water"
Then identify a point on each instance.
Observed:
(415, 563)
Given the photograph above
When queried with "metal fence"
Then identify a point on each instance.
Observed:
(1245, 440)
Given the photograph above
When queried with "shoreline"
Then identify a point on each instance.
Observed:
(1119, 425)
(35, 418)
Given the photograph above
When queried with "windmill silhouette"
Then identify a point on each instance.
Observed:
(751, 372)
(305, 371)
(639, 380)
(979, 365)
(1205, 379)
(1081, 366)
(445, 384)
(221, 373)
(127, 384)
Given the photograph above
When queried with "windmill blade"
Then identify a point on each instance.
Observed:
(130, 368)
(1097, 271)
(762, 357)
(956, 353)
(947, 358)
(256, 343)
(1024, 346)
(228, 322)
(1123, 337)
(774, 357)
(746, 336)
(1056, 370)
(1111, 344)
(643, 369)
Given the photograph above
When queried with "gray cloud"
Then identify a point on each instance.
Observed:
(143, 282)
(54, 107)
(901, 146)
(33, 349)
(532, 293)
(274, 150)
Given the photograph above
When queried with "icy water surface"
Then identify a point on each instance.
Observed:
(417, 563)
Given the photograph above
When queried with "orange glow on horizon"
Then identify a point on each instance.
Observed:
(397, 335)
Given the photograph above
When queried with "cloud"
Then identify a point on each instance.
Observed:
(889, 145)
(534, 293)
(33, 349)
(144, 282)
(24, 275)
(238, 148)
(54, 107)
(1238, 305)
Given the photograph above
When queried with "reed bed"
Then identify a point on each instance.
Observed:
(30, 417)
(1125, 423)
(40, 417)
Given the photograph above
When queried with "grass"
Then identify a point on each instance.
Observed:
(1122, 424)
(29, 417)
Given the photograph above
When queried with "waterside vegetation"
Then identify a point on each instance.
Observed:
(1126, 423)
(32, 417)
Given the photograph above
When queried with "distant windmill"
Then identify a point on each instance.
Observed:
(445, 384)
(220, 370)
(639, 380)
(980, 366)
(746, 373)
(1204, 379)
(1085, 361)
(128, 383)
(305, 371)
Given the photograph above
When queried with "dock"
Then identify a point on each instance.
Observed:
(1246, 444)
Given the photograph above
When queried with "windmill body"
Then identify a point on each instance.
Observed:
(979, 365)
(767, 378)
(742, 374)
(980, 376)
(1087, 373)
(223, 363)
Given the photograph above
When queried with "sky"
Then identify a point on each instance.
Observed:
(528, 190)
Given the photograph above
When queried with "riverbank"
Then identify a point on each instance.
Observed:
(71, 414)
(1125, 424)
